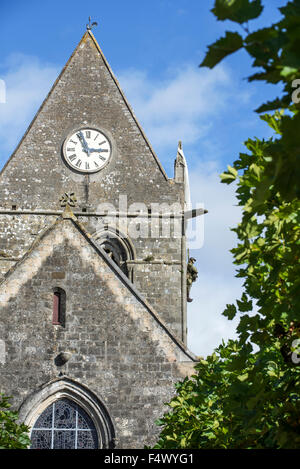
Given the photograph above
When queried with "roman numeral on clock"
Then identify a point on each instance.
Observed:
(88, 134)
(87, 166)
(72, 157)
(78, 163)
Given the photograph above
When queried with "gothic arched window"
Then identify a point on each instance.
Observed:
(64, 425)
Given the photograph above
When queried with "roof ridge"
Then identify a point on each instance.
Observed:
(127, 104)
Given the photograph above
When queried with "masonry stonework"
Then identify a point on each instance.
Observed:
(124, 331)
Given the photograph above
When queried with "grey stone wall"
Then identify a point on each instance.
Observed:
(86, 93)
(119, 350)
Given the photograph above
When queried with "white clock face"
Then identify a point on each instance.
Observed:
(87, 150)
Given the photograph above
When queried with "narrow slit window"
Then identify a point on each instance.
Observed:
(59, 302)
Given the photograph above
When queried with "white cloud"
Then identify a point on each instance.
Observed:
(223, 211)
(206, 325)
(184, 104)
(27, 83)
(216, 285)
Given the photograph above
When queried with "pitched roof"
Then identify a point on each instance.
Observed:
(33, 260)
(89, 34)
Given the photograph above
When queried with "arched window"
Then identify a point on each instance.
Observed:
(66, 406)
(116, 252)
(64, 425)
(119, 248)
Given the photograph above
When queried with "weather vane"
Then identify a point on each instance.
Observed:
(89, 25)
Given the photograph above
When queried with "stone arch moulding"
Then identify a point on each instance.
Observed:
(35, 404)
(121, 247)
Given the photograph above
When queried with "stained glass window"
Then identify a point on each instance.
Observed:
(64, 425)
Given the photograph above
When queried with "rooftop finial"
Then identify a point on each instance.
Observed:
(89, 25)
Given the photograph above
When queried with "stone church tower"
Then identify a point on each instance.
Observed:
(93, 268)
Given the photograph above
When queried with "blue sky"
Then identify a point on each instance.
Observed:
(154, 49)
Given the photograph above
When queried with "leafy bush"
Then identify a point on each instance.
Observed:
(12, 434)
(239, 398)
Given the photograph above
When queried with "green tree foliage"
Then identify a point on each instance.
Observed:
(12, 434)
(245, 397)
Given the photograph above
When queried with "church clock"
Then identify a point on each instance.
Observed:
(87, 150)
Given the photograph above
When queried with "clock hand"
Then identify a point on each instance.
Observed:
(97, 149)
(83, 143)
